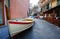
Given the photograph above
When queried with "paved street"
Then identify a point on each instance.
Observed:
(40, 30)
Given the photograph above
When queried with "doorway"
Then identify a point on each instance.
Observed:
(7, 12)
(2, 20)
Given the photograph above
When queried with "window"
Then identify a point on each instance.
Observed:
(47, 6)
(42, 1)
(41, 9)
(58, 2)
(50, 6)
(1, 12)
(57, 14)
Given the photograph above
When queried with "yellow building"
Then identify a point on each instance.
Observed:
(50, 10)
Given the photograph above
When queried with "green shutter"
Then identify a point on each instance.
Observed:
(58, 2)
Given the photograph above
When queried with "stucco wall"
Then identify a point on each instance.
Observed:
(54, 3)
(19, 8)
(44, 2)
(5, 3)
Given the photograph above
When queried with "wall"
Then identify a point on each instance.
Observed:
(44, 2)
(19, 8)
(51, 14)
(5, 3)
(5, 12)
(54, 3)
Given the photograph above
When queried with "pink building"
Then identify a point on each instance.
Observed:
(19, 8)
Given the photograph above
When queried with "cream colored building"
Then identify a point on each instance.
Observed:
(51, 10)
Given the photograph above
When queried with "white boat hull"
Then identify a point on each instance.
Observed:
(15, 27)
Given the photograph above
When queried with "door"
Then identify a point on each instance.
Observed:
(2, 22)
(7, 13)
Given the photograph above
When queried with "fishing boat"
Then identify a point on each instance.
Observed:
(17, 26)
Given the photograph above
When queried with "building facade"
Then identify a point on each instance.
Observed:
(19, 8)
(13, 9)
(50, 10)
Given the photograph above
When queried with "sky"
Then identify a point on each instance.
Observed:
(33, 2)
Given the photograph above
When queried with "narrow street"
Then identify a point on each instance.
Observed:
(40, 30)
(29, 19)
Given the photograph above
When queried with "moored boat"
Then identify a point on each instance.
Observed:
(17, 26)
